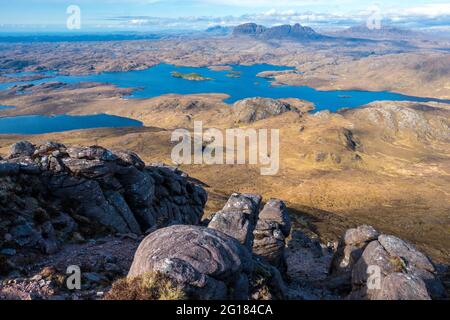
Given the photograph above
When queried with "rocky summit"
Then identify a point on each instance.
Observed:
(289, 32)
(138, 231)
(51, 193)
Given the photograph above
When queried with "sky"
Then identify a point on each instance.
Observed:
(200, 14)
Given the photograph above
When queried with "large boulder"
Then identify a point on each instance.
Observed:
(385, 267)
(238, 218)
(351, 247)
(206, 262)
(275, 210)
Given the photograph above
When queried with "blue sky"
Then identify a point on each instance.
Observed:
(198, 14)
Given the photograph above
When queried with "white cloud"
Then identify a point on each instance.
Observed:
(278, 12)
(429, 10)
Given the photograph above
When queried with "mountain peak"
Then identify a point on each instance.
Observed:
(296, 32)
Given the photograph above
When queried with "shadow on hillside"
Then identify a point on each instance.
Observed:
(328, 226)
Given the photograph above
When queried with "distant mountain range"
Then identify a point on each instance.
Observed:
(385, 32)
(293, 32)
(297, 32)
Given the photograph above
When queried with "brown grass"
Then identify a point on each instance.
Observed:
(150, 286)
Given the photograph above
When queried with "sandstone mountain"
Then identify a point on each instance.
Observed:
(295, 32)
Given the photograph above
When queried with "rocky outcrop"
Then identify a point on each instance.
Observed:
(271, 231)
(51, 194)
(351, 247)
(385, 267)
(238, 218)
(210, 263)
(423, 122)
(217, 262)
(262, 232)
(254, 109)
(206, 262)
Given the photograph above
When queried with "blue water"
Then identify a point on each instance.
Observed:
(158, 81)
(6, 107)
(43, 124)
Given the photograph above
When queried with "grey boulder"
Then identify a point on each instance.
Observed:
(206, 262)
(238, 218)
(22, 149)
(391, 268)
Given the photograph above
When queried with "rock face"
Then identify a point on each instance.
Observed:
(385, 267)
(51, 192)
(206, 262)
(255, 109)
(271, 231)
(295, 32)
(262, 233)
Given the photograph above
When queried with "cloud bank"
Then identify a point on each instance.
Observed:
(425, 16)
